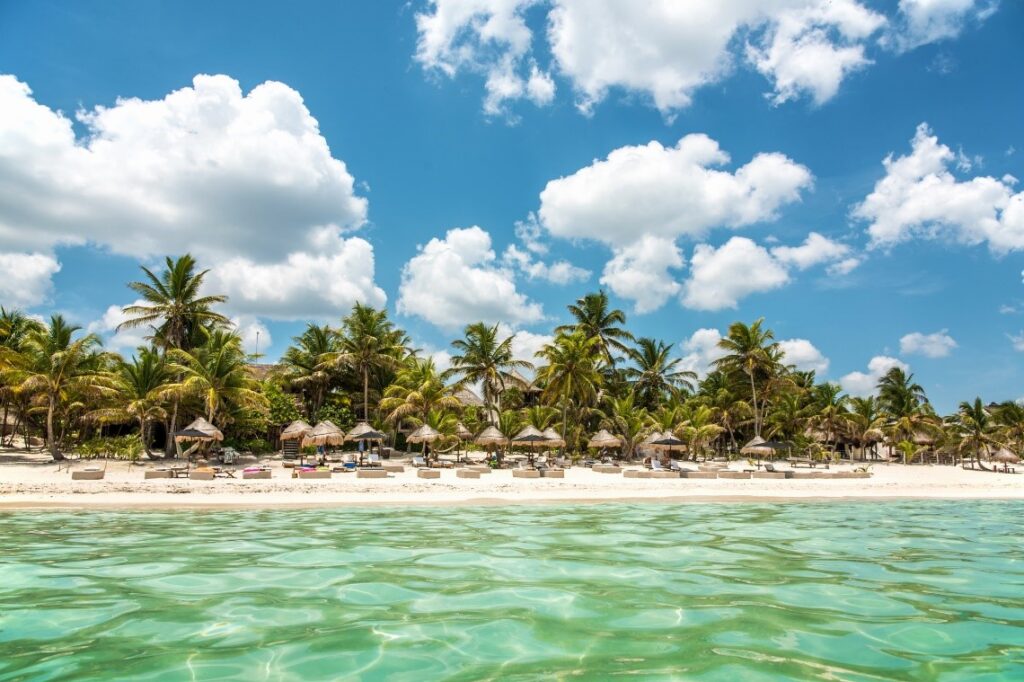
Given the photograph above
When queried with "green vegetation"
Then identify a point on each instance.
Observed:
(58, 383)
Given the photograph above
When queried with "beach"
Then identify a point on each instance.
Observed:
(31, 482)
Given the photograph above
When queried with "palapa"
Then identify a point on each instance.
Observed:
(760, 446)
(324, 433)
(530, 435)
(206, 427)
(189, 435)
(603, 439)
(1004, 456)
(462, 433)
(491, 436)
(554, 439)
(424, 434)
(363, 431)
(296, 430)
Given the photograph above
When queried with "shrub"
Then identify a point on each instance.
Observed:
(116, 447)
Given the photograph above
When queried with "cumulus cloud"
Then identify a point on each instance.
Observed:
(254, 334)
(666, 51)
(803, 355)
(207, 169)
(720, 277)
(125, 340)
(920, 197)
(700, 351)
(815, 250)
(1018, 341)
(866, 383)
(456, 280)
(669, 192)
(557, 272)
(324, 283)
(641, 272)
(920, 22)
(937, 345)
(27, 277)
(487, 37)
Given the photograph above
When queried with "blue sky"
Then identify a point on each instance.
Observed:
(927, 272)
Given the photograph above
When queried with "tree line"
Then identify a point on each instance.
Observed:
(60, 383)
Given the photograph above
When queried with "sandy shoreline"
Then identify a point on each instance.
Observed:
(38, 485)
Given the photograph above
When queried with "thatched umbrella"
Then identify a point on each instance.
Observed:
(759, 446)
(531, 437)
(363, 431)
(554, 439)
(491, 436)
(206, 427)
(424, 434)
(1004, 456)
(296, 430)
(668, 441)
(192, 436)
(324, 433)
(462, 433)
(603, 439)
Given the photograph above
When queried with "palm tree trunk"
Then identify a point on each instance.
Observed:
(142, 435)
(753, 393)
(169, 448)
(51, 441)
(366, 394)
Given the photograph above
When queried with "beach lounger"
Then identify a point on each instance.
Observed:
(313, 473)
(428, 473)
(158, 473)
(373, 460)
(256, 472)
(371, 473)
(202, 474)
(88, 474)
(419, 461)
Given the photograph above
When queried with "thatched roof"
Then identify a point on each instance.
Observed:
(554, 439)
(1004, 456)
(603, 439)
(262, 371)
(668, 439)
(462, 432)
(491, 436)
(468, 398)
(192, 435)
(324, 433)
(296, 430)
(529, 434)
(424, 434)
(760, 446)
(363, 431)
(206, 427)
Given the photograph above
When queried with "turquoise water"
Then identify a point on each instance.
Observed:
(861, 591)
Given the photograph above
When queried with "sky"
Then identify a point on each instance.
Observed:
(845, 169)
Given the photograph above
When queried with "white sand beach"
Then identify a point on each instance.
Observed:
(32, 482)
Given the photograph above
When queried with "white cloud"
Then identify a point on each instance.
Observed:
(558, 272)
(641, 273)
(1018, 341)
(455, 281)
(866, 383)
(720, 277)
(124, 341)
(843, 267)
(810, 49)
(27, 278)
(525, 344)
(668, 192)
(207, 170)
(937, 345)
(254, 334)
(487, 37)
(701, 350)
(920, 197)
(815, 250)
(926, 21)
(802, 354)
(323, 283)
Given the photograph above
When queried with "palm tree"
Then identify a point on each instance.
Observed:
(1009, 419)
(418, 390)
(569, 373)
(484, 359)
(172, 305)
(655, 373)
(975, 429)
(699, 429)
(864, 422)
(140, 385)
(597, 321)
(369, 342)
(306, 367)
(55, 366)
(624, 418)
(831, 415)
(898, 394)
(750, 349)
(217, 373)
(15, 327)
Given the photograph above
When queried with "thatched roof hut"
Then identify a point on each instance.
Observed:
(206, 427)
(491, 436)
(324, 433)
(603, 439)
(554, 439)
(424, 434)
(296, 430)
(363, 431)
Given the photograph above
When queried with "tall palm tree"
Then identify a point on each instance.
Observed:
(864, 422)
(418, 390)
(974, 428)
(217, 373)
(627, 420)
(752, 350)
(306, 367)
(655, 373)
(15, 327)
(55, 366)
(485, 359)
(369, 342)
(140, 385)
(1009, 420)
(899, 394)
(597, 319)
(699, 429)
(569, 373)
(172, 305)
(831, 414)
